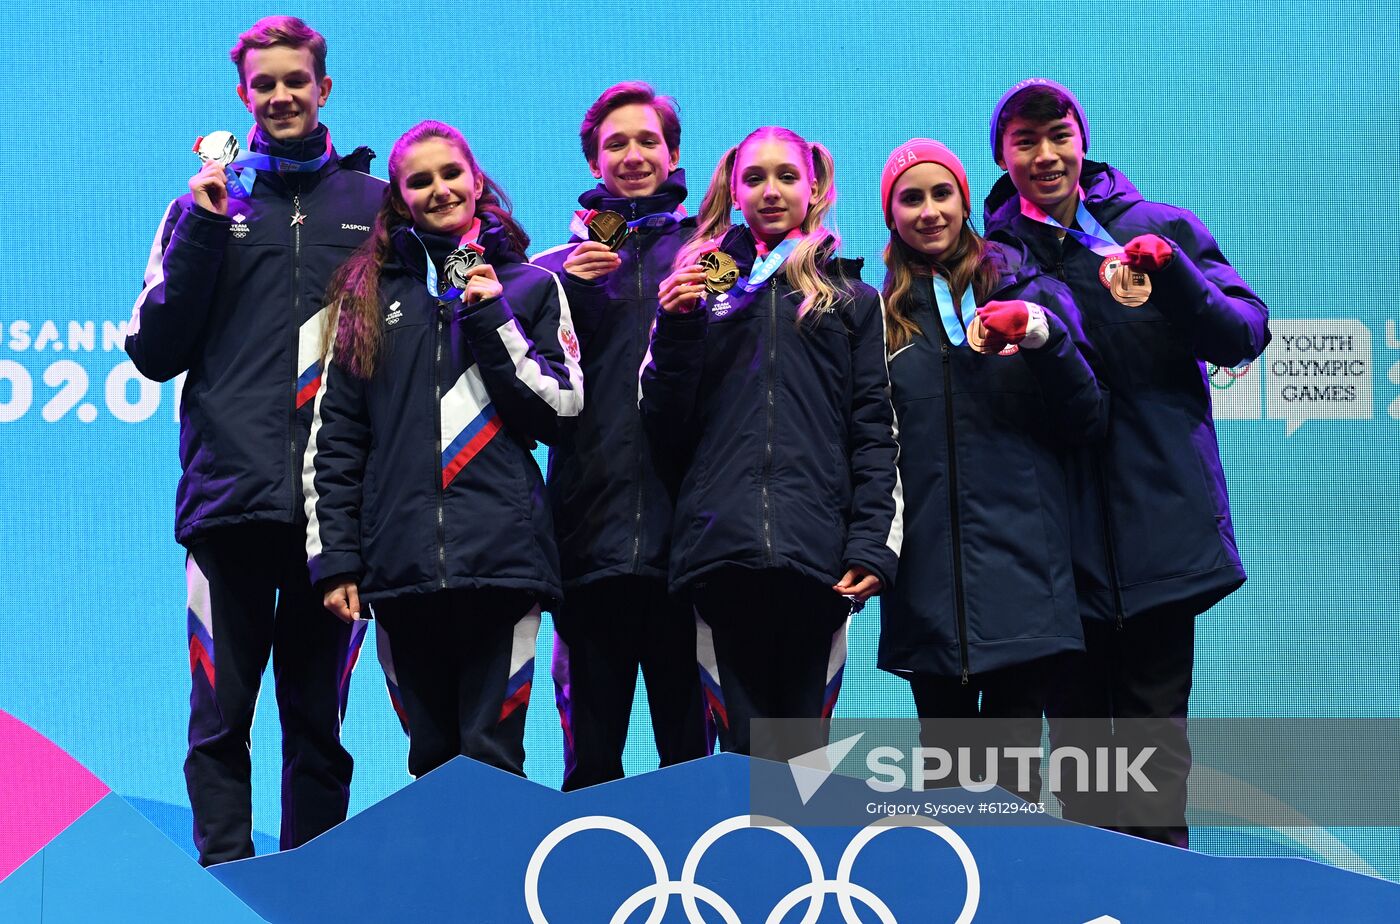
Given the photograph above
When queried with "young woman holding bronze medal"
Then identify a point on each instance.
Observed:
(767, 377)
(609, 492)
(990, 385)
(420, 490)
(1153, 541)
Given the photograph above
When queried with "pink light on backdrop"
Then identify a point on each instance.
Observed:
(42, 791)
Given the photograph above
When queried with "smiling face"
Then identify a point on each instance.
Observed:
(927, 209)
(633, 159)
(773, 187)
(438, 188)
(280, 89)
(1045, 160)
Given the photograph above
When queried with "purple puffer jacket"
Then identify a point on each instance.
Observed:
(1151, 518)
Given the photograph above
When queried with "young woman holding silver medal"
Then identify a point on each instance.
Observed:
(990, 385)
(421, 493)
(767, 380)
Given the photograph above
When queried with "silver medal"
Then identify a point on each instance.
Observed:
(220, 147)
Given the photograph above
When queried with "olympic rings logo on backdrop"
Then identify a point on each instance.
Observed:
(1231, 375)
(690, 892)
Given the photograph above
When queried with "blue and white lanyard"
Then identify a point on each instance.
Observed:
(240, 181)
(579, 228)
(764, 270)
(953, 324)
(1093, 236)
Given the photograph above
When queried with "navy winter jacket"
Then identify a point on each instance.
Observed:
(420, 479)
(985, 576)
(612, 507)
(787, 431)
(235, 302)
(1152, 525)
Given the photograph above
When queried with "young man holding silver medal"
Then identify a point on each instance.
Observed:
(233, 299)
(610, 494)
(1153, 544)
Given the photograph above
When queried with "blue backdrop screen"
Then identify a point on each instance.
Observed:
(1275, 124)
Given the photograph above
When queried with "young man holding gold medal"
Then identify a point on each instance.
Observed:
(1153, 542)
(233, 299)
(611, 499)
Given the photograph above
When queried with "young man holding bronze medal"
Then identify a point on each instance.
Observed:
(610, 495)
(233, 299)
(1153, 544)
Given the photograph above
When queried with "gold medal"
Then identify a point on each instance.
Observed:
(608, 228)
(1127, 286)
(721, 272)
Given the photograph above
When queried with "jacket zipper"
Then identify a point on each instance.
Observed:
(959, 600)
(768, 447)
(437, 446)
(296, 347)
(1110, 552)
(643, 331)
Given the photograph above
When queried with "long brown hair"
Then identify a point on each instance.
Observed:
(804, 268)
(353, 323)
(968, 264)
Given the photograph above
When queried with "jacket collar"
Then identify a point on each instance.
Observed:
(409, 257)
(667, 198)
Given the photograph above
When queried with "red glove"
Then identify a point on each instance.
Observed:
(1005, 321)
(1147, 253)
(1013, 322)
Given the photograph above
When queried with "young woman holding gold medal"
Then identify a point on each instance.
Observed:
(766, 380)
(990, 385)
(421, 493)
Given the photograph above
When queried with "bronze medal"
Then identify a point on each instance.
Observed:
(608, 228)
(1128, 287)
(721, 272)
(457, 265)
(977, 336)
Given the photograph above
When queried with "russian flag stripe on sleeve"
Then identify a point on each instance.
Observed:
(469, 422)
(309, 357)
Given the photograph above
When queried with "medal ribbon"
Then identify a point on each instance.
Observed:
(431, 275)
(1093, 236)
(578, 225)
(251, 162)
(953, 325)
(764, 269)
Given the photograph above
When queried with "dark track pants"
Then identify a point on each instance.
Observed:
(1130, 689)
(771, 645)
(994, 709)
(250, 596)
(460, 664)
(604, 633)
